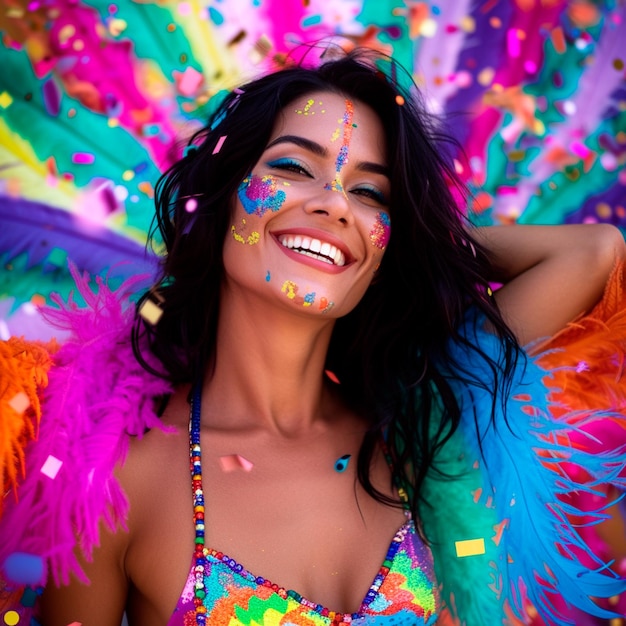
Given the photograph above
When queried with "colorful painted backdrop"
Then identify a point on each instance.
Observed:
(96, 97)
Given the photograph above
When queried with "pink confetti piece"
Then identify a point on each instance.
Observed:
(332, 376)
(234, 462)
(188, 81)
(83, 158)
(512, 43)
(19, 402)
(51, 466)
(219, 144)
(191, 205)
(580, 149)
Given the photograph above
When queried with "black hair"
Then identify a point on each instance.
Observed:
(389, 351)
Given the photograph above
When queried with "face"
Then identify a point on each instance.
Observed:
(311, 221)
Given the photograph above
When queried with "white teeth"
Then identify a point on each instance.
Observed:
(314, 248)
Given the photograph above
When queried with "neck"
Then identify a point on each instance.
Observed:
(269, 369)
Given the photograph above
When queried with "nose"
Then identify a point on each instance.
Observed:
(331, 200)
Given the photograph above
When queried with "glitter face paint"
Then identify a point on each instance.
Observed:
(381, 231)
(290, 289)
(342, 157)
(306, 109)
(251, 239)
(260, 194)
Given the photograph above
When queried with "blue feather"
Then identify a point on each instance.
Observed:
(524, 480)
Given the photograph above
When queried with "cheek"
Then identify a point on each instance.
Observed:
(258, 195)
(381, 231)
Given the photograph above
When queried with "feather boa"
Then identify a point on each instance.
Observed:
(97, 396)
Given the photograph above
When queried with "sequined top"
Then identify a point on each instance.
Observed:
(402, 593)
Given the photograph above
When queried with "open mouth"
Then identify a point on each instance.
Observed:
(314, 248)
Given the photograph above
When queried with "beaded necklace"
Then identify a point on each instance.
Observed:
(202, 553)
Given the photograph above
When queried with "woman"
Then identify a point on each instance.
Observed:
(323, 323)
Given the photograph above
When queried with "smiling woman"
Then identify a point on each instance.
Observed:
(320, 412)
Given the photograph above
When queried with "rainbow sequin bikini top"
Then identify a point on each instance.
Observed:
(221, 591)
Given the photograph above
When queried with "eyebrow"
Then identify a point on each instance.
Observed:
(319, 150)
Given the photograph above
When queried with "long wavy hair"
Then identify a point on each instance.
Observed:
(389, 351)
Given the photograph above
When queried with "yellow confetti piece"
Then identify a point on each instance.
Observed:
(117, 26)
(468, 24)
(150, 311)
(485, 76)
(5, 100)
(11, 618)
(128, 175)
(19, 402)
(470, 547)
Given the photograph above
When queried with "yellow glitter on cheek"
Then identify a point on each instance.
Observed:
(252, 238)
(289, 288)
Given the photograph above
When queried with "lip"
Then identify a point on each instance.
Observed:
(324, 237)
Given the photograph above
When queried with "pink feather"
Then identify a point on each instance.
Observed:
(97, 398)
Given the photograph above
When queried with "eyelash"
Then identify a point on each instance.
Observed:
(372, 193)
(289, 166)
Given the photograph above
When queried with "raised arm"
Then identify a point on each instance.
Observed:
(551, 274)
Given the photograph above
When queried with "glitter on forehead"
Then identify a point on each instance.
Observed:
(381, 231)
(306, 110)
(342, 156)
(260, 194)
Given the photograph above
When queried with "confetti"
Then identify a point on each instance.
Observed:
(83, 158)
(341, 464)
(11, 618)
(51, 466)
(150, 311)
(191, 205)
(399, 100)
(25, 569)
(261, 49)
(470, 547)
(332, 376)
(51, 97)
(234, 462)
(5, 100)
(558, 39)
(189, 81)
(219, 144)
(19, 402)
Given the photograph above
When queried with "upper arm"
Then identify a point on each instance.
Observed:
(99, 603)
(551, 274)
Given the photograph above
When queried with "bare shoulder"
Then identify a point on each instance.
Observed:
(127, 571)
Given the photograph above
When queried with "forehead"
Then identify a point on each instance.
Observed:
(324, 116)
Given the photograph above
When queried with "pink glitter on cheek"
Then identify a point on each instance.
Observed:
(381, 231)
(259, 195)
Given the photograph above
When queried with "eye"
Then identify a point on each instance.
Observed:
(289, 165)
(371, 193)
